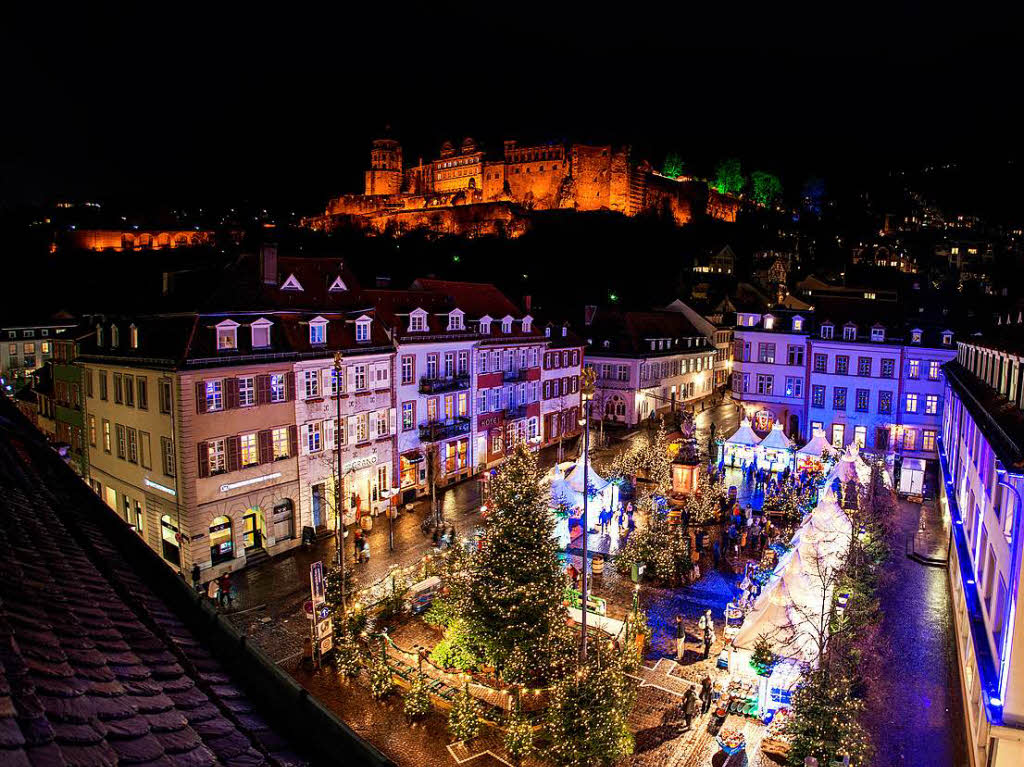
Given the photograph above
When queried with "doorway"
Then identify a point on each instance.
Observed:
(253, 529)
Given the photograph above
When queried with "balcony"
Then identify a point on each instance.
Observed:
(512, 413)
(437, 430)
(518, 374)
(441, 385)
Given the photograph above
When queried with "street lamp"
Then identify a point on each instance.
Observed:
(339, 520)
(392, 509)
(586, 395)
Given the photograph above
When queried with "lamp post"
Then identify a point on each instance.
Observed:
(388, 495)
(586, 395)
(339, 519)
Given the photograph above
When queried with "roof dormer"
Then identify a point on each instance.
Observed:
(260, 333)
(292, 284)
(798, 323)
(484, 324)
(506, 323)
(133, 336)
(338, 286)
(877, 332)
(527, 322)
(115, 336)
(850, 331)
(318, 331)
(456, 319)
(227, 336)
(827, 330)
(547, 332)
(363, 328)
(418, 320)
(947, 337)
(769, 322)
(915, 335)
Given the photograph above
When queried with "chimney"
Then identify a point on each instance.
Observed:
(589, 312)
(527, 303)
(268, 263)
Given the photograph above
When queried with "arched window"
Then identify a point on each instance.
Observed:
(222, 545)
(171, 549)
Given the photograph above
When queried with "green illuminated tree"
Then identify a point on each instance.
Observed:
(464, 718)
(729, 177)
(825, 721)
(765, 187)
(673, 166)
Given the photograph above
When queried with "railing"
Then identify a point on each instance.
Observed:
(437, 430)
(518, 374)
(439, 385)
(512, 413)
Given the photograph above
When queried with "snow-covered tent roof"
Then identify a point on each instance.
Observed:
(776, 439)
(818, 445)
(744, 435)
(574, 477)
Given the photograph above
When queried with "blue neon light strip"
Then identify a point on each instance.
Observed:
(988, 672)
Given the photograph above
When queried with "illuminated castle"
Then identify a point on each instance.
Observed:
(464, 192)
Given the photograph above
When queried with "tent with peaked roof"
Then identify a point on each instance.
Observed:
(567, 486)
(738, 449)
(809, 456)
(775, 451)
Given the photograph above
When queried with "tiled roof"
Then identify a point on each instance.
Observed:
(628, 333)
(96, 668)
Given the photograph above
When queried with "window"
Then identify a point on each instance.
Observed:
(317, 332)
(933, 370)
(462, 365)
(118, 389)
(214, 395)
(408, 369)
(911, 403)
(142, 383)
(311, 383)
(798, 324)
(860, 435)
(877, 334)
(362, 427)
(249, 451)
(106, 435)
(455, 320)
(863, 400)
(260, 334)
(839, 398)
(766, 353)
(336, 377)
(914, 369)
(115, 336)
(820, 363)
(363, 329)
(795, 355)
(382, 422)
(837, 434)
(165, 395)
(246, 391)
(408, 416)
(915, 336)
(167, 456)
(931, 404)
(496, 443)
(227, 336)
(506, 325)
(92, 430)
(313, 437)
(622, 373)
(928, 441)
(145, 456)
(885, 403)
(794, 386)
(817, 396)
(888, 367)
(418, 321)
(909, 439)
(278, 390)
(133, 444)
(850, 333)
(279, 438)
(103, 385)
(129, 390)
(827, 331)
(842, 364)
(122, 441)
(864, 366)
(769, 322)
(449, 364)
(947, 338)
(765, 384)
(215, 456)
(360, 377)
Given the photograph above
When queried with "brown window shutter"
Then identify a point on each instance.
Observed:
(230, 393)
(232, 446)
(203, 459)
(293, 440)
(266, 446)
(200, 396)
(289, 386)
(262, 389)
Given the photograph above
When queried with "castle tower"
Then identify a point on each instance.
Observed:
(385, 173)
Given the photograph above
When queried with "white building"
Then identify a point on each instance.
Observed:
(982, 460)
(560, 384)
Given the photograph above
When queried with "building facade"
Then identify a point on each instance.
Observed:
(26, 348)
(981, 449)
(560, 385)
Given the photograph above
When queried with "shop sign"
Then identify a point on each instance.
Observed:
(157, 486)
(316, 583)
(488, 421)
(359, 463)
(763, 420)
(245, 482)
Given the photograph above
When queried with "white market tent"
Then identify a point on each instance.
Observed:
(810, 454)
(567, 488)
(739, 448)
(775, 451)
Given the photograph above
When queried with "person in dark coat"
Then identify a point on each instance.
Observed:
(680, 638)
(690, 706)
(195, 576)
(708, 640)
(705, 695)
(225, 589)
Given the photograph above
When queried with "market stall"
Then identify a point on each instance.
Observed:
(912, 476)
(775, 451)
(738, 449)
(816, 455)
(567, 489)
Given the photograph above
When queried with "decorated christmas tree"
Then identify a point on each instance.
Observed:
(381, 682)
(518, 735)
(705, 505)
(514, 596)
(348, 656)
(664, 551)
(763, 657)
(464, 718)
(417, 701)
(825, 721)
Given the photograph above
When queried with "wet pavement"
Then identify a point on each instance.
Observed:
(917, 715)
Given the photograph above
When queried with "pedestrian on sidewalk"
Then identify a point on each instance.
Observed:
(690, 706)
(213, 592)
(195, 577)
(364, 550)
(680, 638)
(709, 639)
(705, 695)
(225, 589)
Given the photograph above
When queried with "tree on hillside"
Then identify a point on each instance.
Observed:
(514, 603)
(673, 166)
(729, 177)
(765, 187)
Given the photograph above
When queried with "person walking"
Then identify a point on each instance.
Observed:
(225, 589)
(705, 695)
(680, 638)
(357, 545)
(213, 592)
(709, 639)
(195, 577)
(689, 706)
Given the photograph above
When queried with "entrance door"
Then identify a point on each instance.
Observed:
(253, 529)
(317, 494)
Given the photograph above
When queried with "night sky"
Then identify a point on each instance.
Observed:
(175, 107)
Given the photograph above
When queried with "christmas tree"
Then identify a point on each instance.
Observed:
(417, 701)
(381, 682)
(763, 657)
(348, 657)
(514, 596)
(664, 551)
(518, 735)
(705, 505)
(464, 718)
(824, 722)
